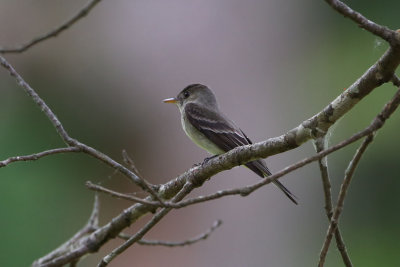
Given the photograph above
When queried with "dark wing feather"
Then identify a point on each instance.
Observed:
(220, 130)
(226, 135)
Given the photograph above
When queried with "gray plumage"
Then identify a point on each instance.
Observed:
(211, 130)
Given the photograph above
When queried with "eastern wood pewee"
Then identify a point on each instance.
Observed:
(211, 130)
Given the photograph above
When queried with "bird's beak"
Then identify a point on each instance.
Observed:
(171, 100)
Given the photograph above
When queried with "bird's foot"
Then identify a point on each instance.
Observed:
(208, 159)
(204, 161)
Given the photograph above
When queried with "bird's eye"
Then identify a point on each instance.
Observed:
(186, 94)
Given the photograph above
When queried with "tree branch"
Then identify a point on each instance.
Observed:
(42, 105)
(187, 188)
(71, 142)
(81, 13)
(320, 145)
(39, 155)
(197, 175)
(128, 160)
(244, 154)
(115, 194)
(375, 125)
(385, 33)
(342, 195)
(90, 227)
(202, 236)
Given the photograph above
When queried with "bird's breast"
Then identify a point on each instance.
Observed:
(199, 138)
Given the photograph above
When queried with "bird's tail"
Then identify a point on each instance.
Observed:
(262, 170)
(286, 191)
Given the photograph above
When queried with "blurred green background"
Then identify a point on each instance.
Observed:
(272, 64)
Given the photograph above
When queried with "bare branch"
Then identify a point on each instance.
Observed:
(342, 195)
(128, 160)
(316, 126)
(93, 221)
(376, 124)
(42, 105)
(187, 188)
(81, 13)
(90, 227)
(320, 145)
(69, 140)
(117, 166)
(200, 174)
(39, 155)
(191, 241)
(202, 236)
(112, 193)
(385, 33)
(93, 242)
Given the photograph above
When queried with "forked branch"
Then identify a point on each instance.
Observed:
(53, 33)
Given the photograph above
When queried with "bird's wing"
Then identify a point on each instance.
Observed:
(226, 135)
(218, 129)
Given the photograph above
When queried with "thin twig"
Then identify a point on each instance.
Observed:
(187, 188)
(122, 169)
(71, 141)
(42, 105)
(90, 227)
(320, 145)
(93, 221)
(342, 195)
(79, 15)
(202, 236)
(112, 193)
(128, 160)
(374, 28)
(39, 155)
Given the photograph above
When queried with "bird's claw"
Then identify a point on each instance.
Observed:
(204, 161)
(208, 159)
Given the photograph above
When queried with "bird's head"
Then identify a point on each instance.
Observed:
(194, 93)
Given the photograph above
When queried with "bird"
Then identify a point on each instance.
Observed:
(211, 130)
